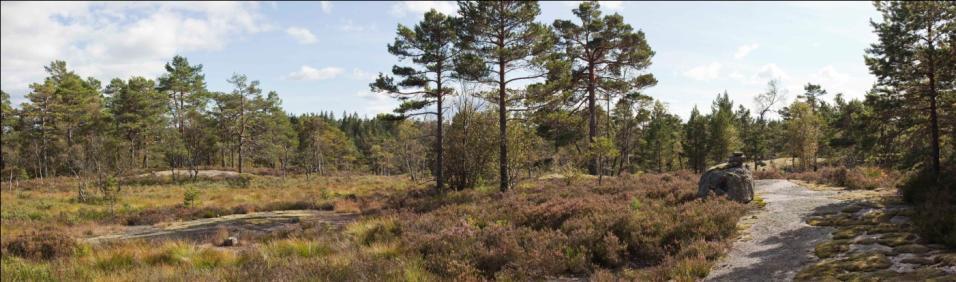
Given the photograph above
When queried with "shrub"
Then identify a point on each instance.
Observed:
(935, 204)
(240, 181)
(852, 178)
(552, 229)
(768, 174)
(46, 244)
(190, 197)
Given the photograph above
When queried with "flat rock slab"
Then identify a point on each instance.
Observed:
(257, 222)
(779, 243)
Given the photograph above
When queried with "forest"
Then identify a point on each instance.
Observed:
(498, 111)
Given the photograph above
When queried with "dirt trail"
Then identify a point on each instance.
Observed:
(779, 242)
(255, 222)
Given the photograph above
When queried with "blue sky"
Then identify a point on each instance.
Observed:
(320, 56)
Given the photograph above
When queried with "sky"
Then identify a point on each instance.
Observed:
(321, 56)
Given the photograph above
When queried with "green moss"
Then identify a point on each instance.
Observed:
(818, 272)
(831, 248)
(848, 233)
(866, 262)
(897, 239)
(882, 228)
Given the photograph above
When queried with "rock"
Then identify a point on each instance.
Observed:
(866, 239)
(732, 180)
(231, 241)
(912, 249)
(874, 248)
(917, 260)
(900, 220)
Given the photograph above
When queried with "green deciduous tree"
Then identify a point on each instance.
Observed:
(803, 133)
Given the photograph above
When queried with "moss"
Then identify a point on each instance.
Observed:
(832, 248)
(848, 233)
(897, 239)
(882, 228)
(852, 208)
(818, 272)
(866, 262)
(920, 274)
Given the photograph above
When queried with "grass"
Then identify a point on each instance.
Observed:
(54, 202)
(643, 227)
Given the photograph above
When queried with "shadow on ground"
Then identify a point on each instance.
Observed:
(779, 262)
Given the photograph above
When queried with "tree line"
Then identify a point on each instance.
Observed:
(504, 97)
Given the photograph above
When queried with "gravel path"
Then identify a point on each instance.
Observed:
(779, 242)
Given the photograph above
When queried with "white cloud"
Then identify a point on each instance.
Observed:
(612, 5)
(769, 72)
(310, 73)
(351, 26)
(376, 103)
(326, 6)
(115, 39)
(704, 72)
(359, 74)
(829, 75)
(404, 8)
(301, 34)
(744, 50)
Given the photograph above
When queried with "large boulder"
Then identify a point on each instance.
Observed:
(732, 179)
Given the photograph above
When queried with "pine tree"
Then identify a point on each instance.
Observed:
(606, 55)
(430, 45)
(915, 65)
(504, 45)
(724, 138)
(138, 112)
(185, 86)
(695, 141)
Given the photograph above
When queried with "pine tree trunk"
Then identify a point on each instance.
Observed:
(592, 117)
(440, 143)
(502, 129)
